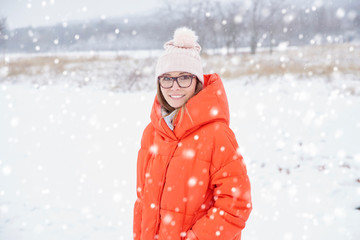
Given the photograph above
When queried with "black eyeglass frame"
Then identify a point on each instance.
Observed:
(192, 76)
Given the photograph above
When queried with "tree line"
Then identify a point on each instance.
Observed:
(228, 25)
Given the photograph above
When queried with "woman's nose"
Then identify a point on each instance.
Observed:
(175, 86)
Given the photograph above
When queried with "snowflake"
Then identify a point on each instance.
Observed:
(154, 149)
(192, 181)
(167, 219)
(45, 191)
(7, 170)
(4, 209)
(235, 192)
(117, 197)
(214, 111)
(340, 13)
(189, 153)
(238, 19)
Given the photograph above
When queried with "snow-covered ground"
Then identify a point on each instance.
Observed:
(68, 157)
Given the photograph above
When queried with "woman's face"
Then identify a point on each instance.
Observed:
(177, 96)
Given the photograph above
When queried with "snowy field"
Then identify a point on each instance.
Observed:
(68, 157)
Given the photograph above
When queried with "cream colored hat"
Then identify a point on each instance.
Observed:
(181, 54)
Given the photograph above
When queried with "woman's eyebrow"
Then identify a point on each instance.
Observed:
(167, 74)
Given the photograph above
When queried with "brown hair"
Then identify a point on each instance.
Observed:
(169, 109)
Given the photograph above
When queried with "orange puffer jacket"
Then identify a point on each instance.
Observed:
(192, 182)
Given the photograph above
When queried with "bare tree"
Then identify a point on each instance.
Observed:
(3, 34)
(228, 25)
(206, 21)
(254, 25)
(272, 25)
(195, 14)
(2, 27)
(264, 19)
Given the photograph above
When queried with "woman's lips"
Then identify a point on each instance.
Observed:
(176, 96)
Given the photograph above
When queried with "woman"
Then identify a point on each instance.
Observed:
(192, 182)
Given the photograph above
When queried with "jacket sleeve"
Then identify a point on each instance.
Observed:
(140, 175)
(232, 193)
(138, 202)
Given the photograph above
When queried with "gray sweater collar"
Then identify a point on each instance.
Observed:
(168, 118)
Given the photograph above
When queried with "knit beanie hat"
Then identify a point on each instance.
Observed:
(181, 54)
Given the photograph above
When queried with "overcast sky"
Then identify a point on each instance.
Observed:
(22, 13)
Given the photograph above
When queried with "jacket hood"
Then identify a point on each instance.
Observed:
(209, 105)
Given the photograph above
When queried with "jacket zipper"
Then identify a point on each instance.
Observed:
(157, 228)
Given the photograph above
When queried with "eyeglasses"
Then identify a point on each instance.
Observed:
(184, 81)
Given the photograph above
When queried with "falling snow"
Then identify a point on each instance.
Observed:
(68, 158)
(189, 153)
(192, 182)
(167, 219)
(214, 112)
(154, 149)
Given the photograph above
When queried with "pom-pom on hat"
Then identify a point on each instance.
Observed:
(181, 54)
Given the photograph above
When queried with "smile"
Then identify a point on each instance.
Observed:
(176, 96)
